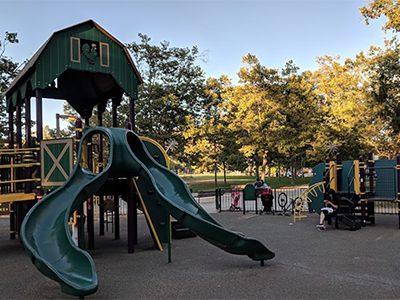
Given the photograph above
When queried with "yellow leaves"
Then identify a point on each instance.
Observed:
(388, 8)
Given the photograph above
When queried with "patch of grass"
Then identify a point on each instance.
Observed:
(205, 182)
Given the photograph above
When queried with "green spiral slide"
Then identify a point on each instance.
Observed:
(46, 235)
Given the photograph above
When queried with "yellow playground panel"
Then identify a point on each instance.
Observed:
(302, 203)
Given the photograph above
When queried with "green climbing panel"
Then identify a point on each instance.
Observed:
(57, 161)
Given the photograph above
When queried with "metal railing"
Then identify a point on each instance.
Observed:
(18, 167)
(386, 207)
(281, 204)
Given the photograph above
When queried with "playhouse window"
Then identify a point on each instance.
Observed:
(75, 49)
(104, 54)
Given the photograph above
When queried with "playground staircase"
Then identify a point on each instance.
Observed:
(348, 213)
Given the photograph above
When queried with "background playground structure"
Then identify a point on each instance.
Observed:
(364, 187)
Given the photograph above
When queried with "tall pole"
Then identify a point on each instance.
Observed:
(81, 219)
(39, 115)
(28, 139)
(28, 130)
(58, 125)
(39, 124)
(130, 198)
(11, 129)
(100, 110)
(18, 123)
(115, 103)
(132, 113)
(132, 205)
(11, 146)
(89, 202)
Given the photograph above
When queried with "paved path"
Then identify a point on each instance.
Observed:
(309, 264)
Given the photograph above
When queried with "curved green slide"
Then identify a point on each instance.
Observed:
(45, 232)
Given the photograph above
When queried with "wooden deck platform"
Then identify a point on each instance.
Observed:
(17, 197)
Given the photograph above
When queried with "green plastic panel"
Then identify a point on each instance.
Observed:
(347, 176)
(318, 176)
(56, 161)
(249, 192)
(386, 182)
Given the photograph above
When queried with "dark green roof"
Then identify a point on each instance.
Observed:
(86, 77)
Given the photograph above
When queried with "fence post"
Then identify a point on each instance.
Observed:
(220, 199)
(256, 196)
(244, 202)
(217, 204)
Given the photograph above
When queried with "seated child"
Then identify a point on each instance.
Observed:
(330, 205)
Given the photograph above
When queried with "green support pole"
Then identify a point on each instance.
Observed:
(100, 111)
(115, 103)
(81, 218)
(169, 240)
(131, 219)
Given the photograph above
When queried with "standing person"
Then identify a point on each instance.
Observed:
(330, 206)
(266, 196)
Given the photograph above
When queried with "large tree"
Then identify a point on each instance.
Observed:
(274, 113)
(384, 73)
(351, 121)
(210, 144)
(8, 70)
(172, 93)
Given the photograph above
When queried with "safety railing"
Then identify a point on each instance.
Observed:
(18, 168)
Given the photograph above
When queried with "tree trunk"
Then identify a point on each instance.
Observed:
(257, 170)
(264, 165)
(250, 168)
(224, 166)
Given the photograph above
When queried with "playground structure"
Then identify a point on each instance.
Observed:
(86, 66)
(363, 188)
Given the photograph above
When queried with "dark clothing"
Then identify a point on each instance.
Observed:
(266, 201)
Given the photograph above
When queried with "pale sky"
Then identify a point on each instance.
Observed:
(275, 31)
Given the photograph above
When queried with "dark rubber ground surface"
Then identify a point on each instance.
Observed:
(308, 264)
